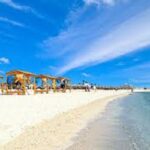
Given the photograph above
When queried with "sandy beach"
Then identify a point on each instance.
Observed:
(47, 122)
(138, 90)
(69, 65)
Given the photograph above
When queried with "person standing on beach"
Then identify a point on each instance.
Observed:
(94, 88)
(88, 87)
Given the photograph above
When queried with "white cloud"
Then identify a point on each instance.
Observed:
(12, 22)
(137, 74)
(98, 2)
(14, 5)
(128, 37)
(4, 60)
(138, 70)
(81, 29)
(86, 74)
(94, 36)
(20, 7)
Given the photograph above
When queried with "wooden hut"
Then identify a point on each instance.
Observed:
(45, 87)
(19, 81)
(64, 84)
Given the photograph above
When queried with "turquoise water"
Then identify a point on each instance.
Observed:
(135, 116)
(124, 126)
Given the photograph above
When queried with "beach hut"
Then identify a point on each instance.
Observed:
(45, 86)
(65, 83)
(17, 81)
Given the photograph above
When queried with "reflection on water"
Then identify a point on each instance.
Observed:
(124, 126)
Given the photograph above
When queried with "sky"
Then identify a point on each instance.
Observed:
(106, 42)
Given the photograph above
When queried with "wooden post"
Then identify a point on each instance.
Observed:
(69, 86)
(47, 86)
(24, 85)
(54, 84)
(6, 84)
(2, 88)
(34, 85)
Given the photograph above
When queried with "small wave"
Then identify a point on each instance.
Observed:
(135, 146)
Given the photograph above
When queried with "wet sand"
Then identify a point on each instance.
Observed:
(106, 132)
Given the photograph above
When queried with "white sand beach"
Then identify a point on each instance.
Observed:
(48, 121)
(138, 90)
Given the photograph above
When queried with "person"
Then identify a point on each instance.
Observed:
(63, 85)
(88, 87)
(94, 88)
(85, 86)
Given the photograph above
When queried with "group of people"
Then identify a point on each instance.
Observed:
(89, 86)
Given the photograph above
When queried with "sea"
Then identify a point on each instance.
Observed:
(125, 125)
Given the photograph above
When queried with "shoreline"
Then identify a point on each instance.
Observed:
(105, 130)
(141, 90)
(57, 132)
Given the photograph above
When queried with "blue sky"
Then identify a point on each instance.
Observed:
(102, 41)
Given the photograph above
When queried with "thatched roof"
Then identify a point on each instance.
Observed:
(52, 77)
(46, 76)
(63, 78)
(14, 72)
